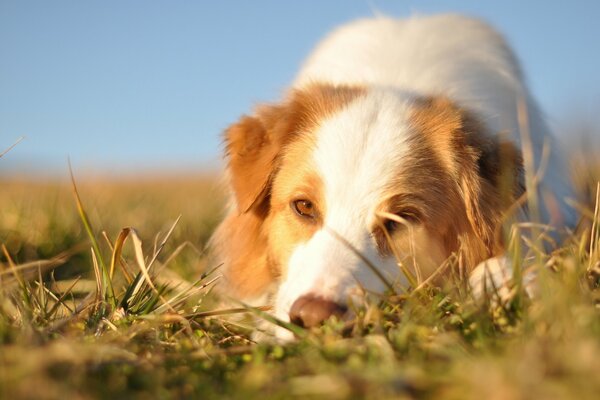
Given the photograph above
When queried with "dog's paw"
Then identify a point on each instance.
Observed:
(493, 278)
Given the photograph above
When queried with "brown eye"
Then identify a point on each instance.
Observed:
(391, 225)
(304, 208)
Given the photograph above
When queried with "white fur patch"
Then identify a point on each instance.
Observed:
(357, 153)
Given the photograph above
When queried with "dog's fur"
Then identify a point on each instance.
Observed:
(405, 136)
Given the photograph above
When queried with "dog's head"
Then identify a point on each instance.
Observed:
(337, 180)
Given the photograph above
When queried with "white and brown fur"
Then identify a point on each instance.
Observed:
(415, 118)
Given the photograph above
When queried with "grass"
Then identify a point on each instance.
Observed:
(109, 296)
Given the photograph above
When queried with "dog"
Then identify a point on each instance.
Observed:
(400, 142)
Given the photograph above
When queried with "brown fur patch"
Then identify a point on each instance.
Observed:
(296, 180)
(479, 178)
(239, 244)
(258, 234)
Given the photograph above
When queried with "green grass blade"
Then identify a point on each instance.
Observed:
(107, 289)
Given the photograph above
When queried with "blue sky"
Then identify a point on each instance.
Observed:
(135, 85)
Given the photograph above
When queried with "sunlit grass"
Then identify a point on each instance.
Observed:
(125, 308)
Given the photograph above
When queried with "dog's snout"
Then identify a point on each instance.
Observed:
(310, 311)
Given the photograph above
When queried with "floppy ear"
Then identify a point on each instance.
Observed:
(487, 170)
(492, 180)
(253, 145)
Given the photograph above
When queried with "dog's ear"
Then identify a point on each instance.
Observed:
(487, 169)
(492, 180)
(253, 146)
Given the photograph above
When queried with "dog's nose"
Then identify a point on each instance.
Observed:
(310, 311)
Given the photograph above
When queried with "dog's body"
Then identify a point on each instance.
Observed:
(398, 139)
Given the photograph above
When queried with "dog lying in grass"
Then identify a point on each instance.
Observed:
(399, 144)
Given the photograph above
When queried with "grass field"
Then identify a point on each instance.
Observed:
(89, 309)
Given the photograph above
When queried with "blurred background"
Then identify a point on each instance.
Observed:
(123, 87)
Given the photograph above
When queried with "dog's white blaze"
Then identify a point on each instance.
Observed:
(354, 161)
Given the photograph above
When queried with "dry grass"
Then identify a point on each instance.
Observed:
(39, 219)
